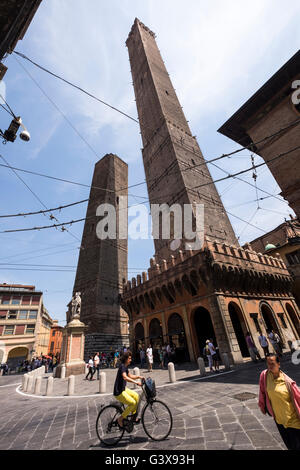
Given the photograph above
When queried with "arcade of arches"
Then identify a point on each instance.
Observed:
(188, 329)
(220, 292)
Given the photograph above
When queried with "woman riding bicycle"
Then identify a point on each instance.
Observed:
(123, 394)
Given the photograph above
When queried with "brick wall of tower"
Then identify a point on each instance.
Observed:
(169, 147)
(102, 264)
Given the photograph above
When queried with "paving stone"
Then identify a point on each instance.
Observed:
(232, 427)
(210, 423)
(217, 445)
(261, 439)
(214, 435)
(237, 438)
(228, 418)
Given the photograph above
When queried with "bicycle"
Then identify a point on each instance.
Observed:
(156, 419)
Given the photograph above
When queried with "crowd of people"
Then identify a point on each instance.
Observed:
(103, 360)
(49, 361)
(165, 353)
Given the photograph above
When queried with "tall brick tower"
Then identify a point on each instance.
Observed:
(169, 147)
(102, 264)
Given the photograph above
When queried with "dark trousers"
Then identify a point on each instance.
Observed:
(290, 436)
(91, 371)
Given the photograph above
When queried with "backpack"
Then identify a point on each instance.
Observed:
(150, 388)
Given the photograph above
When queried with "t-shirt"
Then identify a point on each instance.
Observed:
(120, 383)
(211, 348)
(250, 342)
(263, 341)
(91, 363)
(272, 338)
(96, 360)
(149, 355)
(282, 405)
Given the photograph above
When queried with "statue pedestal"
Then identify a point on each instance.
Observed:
(72, 349)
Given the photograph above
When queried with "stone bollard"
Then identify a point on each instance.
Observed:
(201, 365)
(71, 385)
(25, 381)
(49, 387)
(29, 384)
(136, 371)
(63, 372)
(102, 382)
(37, 385)
(171, 369)
(225, 360)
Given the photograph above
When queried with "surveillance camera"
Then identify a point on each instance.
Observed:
(24, 135)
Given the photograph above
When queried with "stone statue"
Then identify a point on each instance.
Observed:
(76, 304)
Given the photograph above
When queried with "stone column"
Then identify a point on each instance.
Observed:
(73, 348)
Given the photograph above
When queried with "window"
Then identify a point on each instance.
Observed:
(52, 346)
(293, 258)
(23, 314)
(5, 300)
(32, 314)
(12, 314)
(30, 329)
(9, 329)
(26, 300)
(53, 333)
(35, 300)
(16, 300)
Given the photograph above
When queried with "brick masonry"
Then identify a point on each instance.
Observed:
(102, 264)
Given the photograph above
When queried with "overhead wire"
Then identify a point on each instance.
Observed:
(196, 187)
(249, 147)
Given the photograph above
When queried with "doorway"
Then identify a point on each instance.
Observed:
(204, 328)
(239, 327)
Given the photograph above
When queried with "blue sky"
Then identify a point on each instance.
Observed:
(217, 54)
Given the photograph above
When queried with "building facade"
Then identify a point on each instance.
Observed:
(285, 241)
(24, 323)
(275, 106)
(55, 340)
(220, 291)
(102, 263)
(15, 18)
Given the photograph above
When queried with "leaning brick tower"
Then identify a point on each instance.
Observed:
(102, 264)
(170, 151)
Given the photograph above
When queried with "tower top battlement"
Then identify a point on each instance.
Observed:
(137, 23)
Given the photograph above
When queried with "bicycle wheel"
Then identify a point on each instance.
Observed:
(107, 427)
(157, 420)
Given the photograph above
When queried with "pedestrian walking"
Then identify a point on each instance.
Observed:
(279, 396)
(252, 348)
(91, 369)
(116, 357)
(165, 355)
(142, 357)
(214, 355)
(161, 357)
(207, 354)
(97, 364)
(275, 341)
(264, 344)
(149, 354)
(54, 363)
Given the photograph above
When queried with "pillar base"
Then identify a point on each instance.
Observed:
(72, 368)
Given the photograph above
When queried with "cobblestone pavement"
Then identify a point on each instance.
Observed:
(206, 416)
